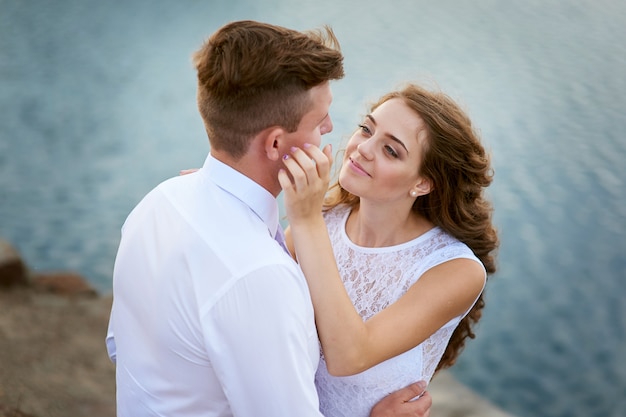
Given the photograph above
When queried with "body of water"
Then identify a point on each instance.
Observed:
(97, 106)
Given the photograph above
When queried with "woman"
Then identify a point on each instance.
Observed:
(397, 255)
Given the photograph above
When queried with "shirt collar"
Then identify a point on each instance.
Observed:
(249, 192)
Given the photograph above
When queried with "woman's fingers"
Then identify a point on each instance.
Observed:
(187, 171)
(304, 182)
(297, 170)
(321, 160)
(285, 181)
(309, 165)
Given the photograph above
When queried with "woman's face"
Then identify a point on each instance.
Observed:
(382, 159)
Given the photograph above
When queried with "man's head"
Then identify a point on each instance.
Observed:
(253, 76)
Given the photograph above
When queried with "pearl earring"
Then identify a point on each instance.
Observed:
(413, 193)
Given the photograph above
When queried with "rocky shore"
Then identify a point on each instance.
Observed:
(53, 361)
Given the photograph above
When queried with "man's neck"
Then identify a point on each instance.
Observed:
(256, 167)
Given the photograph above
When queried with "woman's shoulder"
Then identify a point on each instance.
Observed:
(444, 246)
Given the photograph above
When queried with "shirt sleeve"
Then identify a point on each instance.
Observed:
(262, 343)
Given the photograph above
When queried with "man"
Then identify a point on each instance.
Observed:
(210, 315)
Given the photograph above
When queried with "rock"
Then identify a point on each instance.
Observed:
(13, 271)
(53, 359)
(63, 283)
(12, 412)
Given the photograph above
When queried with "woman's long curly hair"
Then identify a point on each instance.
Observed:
(459, 168)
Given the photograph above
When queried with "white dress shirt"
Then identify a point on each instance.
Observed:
(210, 316)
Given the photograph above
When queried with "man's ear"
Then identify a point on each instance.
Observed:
(273, 142)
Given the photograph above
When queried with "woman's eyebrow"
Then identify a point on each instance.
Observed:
(392, 137)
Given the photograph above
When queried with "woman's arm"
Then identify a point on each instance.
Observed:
(351, 345)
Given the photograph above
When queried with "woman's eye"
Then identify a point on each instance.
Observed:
(391, 151)
(365, 129)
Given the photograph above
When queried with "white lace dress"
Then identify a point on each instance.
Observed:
(375, 278)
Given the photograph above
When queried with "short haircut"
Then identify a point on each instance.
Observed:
(252, 76)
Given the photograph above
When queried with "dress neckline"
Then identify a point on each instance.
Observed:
(393, 248)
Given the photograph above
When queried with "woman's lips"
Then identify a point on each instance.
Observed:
(358, 168)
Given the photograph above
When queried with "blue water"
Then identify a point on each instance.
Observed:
(97, 106)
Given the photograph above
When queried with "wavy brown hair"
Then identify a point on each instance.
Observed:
(460, 170)
(253, 75)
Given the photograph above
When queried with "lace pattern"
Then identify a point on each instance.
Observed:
(375, 278)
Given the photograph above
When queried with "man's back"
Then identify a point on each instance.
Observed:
(208, 301)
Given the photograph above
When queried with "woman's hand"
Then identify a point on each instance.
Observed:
(187, 171)
(305, 182)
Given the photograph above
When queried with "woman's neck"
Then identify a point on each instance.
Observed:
(376, 226)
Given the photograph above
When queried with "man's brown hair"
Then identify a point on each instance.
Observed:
(253, 75)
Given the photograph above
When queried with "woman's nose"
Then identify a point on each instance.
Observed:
(364, 149)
